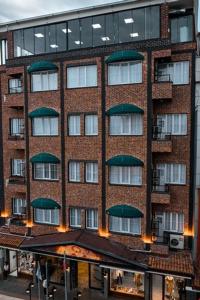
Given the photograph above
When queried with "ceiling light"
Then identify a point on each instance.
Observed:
(66, 30)
(96, 26)
(105, 38)
(134, 34)
(128, 21)
(54, 46)
(78, 43)
(39, 35)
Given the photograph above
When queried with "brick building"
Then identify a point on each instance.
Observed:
(97, 127)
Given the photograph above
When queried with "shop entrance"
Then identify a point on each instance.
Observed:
(83, 275)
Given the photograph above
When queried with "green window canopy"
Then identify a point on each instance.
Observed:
(44, 203)
(124, 211)
(42, 66)
(125, 108)
(45, 158)
(124, 160)
(124, 55)
(43, 112)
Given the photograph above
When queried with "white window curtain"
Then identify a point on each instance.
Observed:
(92, 218)
(16, 127)
(3, 51)
(46, 216)
(124, 73)
(174, 124)
(15, 85)
(173, 222)
(74, 171)
(126, 124)
(172, 173)
(74, 125)
(177, 71)
(45, 171)
(91, 172)
(125, 225)
(91, 125)
(75, 217)
(44, 81)
(126, 175)
(18, 167)
(18, 205)
(45, 126)
(82, 76)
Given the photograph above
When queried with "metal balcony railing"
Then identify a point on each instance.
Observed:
(162, 78)
(158, 188)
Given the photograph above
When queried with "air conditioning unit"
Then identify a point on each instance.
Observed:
(176, 241)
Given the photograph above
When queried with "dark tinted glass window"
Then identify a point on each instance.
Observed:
(61, 34)
(182, 29)
(152, 17)
(28, 42)
(51, 43)
(98, 31)
(39, 39)
(74, 37)
(138, 32)
(86, 32)
(18, 42)
(125, 26)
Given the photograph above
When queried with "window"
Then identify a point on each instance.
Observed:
(177, 72)
(125, 225)
(16, 127)
(75, 217)
(126, 124)
(170, 221)
(91, 172)
(3, 51)
(91, 125)
(19, 206)
(15, 86)
(45, 171)
(92, 218)
(172, 173)
(44, 81)
(83, 76)
(74, 125)
(46, 216)
(74, 171)
(45, 126)
(182, 29)
(18, 167)
(124, 73)
(126, 175)
(175, 124)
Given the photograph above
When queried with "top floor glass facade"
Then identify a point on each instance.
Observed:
(119, 27)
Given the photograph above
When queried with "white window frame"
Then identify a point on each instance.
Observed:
(170, 68)
(44, 212)
(17, 204)
(82, 82)
(16, 126)
(3, 51)
(76, 171)
(74, 125)
(119, 66)
(15, 85)
(167, 123)
(120, 170)
(174, 218)
(93, 178)
(119, 222)
(91, 215)
(44, 74)
(51, 125)
(18, 167)
(48, 167)
(119, 122)
(167, 171)
(91, 119)
(77, 216)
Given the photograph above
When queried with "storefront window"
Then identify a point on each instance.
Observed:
(25, 263)
(174, 287)
(124, 282)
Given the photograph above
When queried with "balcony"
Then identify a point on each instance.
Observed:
(160, 194)
(17, 180)
(16, 142)
(162, 88)
(162, 142)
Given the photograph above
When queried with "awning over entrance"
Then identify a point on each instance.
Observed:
(11, 241)
(124, 160)
(124, 211)
(44, 203)
(125, 108)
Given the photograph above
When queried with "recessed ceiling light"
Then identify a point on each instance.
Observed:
(78, 43)
(96, 26)
(128, 20)
(54, 46)
(39, 35)
(105, 38)
(66, 30)
(134, 34)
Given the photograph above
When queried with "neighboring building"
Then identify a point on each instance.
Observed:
(98, 135)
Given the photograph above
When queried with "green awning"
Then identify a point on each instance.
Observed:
(124, 160)
(45, 158)
(42, 66)
(125, 108)
(124, 211)
(124, 55)
(43, 112)
(44, 203)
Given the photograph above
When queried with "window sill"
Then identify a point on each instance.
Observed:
(75, 227)
(127, 84)
(126, 233)
(94, 183)
(81, 87)
(44, 91)
(45, 135)
(125, 185)
(46, 180)
(48, 224)
(121, 135)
